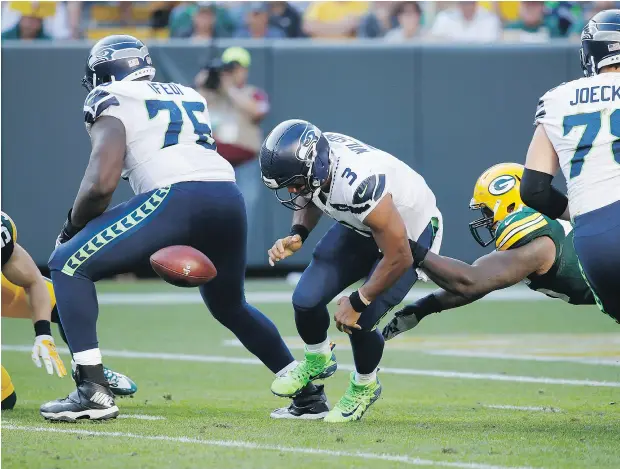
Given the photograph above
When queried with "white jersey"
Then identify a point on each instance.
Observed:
(362, 176)
(168, 133)
(582, 121)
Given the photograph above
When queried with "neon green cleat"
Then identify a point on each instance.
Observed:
(314, 366)
(356, 401)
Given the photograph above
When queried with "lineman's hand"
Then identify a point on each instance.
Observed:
(45, 348)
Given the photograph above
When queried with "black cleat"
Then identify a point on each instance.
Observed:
(90, 400)
(310, 404)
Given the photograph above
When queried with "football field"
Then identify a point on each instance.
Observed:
(512, 382)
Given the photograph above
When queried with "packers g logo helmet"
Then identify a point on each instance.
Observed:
(496, 194)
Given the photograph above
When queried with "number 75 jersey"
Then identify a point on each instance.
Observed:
(168, 133)
(582, 120)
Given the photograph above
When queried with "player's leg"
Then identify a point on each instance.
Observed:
(9, 398)
(368, 344)
(596, 243)
(341, 258)
(14, 301)
(224, 241)
(222, 237)
(113, 243)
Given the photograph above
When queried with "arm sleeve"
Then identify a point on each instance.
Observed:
(538, 193)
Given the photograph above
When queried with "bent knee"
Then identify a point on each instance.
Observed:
(58, 258)
(303, 301)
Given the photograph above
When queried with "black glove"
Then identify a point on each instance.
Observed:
(68, 231)
(403, 320)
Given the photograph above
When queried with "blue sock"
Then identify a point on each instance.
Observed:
(367, 350)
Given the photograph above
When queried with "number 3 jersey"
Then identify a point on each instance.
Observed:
(362, 176)
(582, 121)
(167, 130)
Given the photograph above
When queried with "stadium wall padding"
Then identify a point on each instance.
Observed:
(448, 111)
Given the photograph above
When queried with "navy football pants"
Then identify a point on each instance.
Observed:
(341, 258)
(209, 216)
(597, 242)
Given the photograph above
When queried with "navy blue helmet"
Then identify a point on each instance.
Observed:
(600, 42)
(295, 153)
(116, 58)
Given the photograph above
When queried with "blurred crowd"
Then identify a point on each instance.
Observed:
(391, 21)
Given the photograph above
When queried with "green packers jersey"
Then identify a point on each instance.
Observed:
(564, 279)
(8, 236)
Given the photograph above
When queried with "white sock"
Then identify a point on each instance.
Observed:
(287, 368)
(323, 347)
(366, 379)
(88, 357)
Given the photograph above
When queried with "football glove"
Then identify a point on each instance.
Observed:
(68, 231)
(403, 320)
(45, 348)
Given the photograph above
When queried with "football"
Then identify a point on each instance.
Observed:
(183, 266)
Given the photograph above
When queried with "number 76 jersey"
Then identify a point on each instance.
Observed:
(582, 120)
(168, 133)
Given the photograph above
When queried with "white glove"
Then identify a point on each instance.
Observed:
(45, 348)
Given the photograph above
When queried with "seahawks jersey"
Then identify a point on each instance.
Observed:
(168, 133)
(564, 279)
(8, 236)
(582, 120)
(362, 176)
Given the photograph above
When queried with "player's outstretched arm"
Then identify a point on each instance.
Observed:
(304, 221)
(23, 272)
(464, 283)
(497, 270)
(107, 136)
(540, 166)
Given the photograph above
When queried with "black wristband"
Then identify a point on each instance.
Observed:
(42, 327)
(419, 253)
(356, 302)
(300, 230)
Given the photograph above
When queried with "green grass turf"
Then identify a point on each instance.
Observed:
(432, 418)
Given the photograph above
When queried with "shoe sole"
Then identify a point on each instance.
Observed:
(90, 414)
(289, 416)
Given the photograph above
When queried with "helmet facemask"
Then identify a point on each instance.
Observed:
(486, 221)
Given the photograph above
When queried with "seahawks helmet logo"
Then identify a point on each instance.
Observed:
(307, 144)
(502, 184)
(114, 52)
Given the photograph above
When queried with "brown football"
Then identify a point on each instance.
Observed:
(183, 266)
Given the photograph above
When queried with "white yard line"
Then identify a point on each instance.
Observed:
(247, 445)
(528, 408)
(296, 345)
(536, 358)
(510, 294)
(141, 417)
(341, 366)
